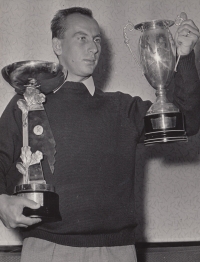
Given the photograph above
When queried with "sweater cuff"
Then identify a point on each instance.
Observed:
(187, 62)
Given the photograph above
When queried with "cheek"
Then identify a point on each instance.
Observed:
(70, 58)
(73, 55)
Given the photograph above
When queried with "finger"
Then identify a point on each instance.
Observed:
(29, 221)
(22, 225)
(188, 42)
(190, 25)
(23, 221)
(189, 32)
(189, 22)
(180, 18)
(30, 203)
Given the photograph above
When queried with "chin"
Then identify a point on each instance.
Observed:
(88, 73)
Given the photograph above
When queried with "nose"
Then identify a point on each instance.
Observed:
(93, 48)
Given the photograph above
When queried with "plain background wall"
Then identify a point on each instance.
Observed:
(167, 176)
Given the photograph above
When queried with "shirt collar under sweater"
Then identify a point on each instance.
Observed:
(89, 83)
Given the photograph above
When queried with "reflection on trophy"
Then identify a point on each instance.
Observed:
(163, 122)
(27, 78)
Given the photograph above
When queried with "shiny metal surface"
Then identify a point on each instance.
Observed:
(157, 50)
(157, 53)
(34, 187)
(154, 24)
(38, 197)
(163, 122)
(30, 72)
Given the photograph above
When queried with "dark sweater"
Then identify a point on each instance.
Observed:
(96, 138)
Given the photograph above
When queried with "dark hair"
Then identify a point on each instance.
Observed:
(58, 26)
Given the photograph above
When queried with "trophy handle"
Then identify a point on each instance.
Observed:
(130, 27)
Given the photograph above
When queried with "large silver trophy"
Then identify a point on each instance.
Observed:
(163, 122)
(28, 78)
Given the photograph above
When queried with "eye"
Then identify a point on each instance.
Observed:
(82, 38)
(97, 40)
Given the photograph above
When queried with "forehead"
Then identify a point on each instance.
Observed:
(78, 22)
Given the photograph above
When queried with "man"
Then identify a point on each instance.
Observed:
(96, 135)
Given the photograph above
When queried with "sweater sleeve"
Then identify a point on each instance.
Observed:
(135, 109)
(10, 143)
(187, 92)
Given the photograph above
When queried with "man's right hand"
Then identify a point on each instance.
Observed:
(11, 208)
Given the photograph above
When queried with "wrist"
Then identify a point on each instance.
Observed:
(191, 54)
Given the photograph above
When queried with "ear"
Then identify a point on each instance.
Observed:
(56, 44)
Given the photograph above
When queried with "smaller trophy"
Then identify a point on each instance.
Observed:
(163, 122)
(27, 78)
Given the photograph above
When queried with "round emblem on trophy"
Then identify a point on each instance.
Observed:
(38, 130)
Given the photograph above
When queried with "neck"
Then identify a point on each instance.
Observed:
(73, 78)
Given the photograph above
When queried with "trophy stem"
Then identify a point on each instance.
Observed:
(34, 186)
(29, 159)
(25, 142)
(161, 95)
(162, 105)
(25, 129)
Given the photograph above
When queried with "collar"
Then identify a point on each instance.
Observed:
(89, 83)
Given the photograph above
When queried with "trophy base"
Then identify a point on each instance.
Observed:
(44, 195)
(164, 127)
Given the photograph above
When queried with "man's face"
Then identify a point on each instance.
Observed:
(80, 49)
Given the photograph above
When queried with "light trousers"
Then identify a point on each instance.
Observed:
(38, 250)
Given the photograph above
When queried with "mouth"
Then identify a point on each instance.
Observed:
(89, 61)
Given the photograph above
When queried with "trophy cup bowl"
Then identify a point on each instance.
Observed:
(28, 78)
(163, 122)
(47, 74)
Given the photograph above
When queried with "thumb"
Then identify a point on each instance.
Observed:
(180, 18)
(183, 15)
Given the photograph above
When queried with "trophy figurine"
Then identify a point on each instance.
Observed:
(27, 78)
(163, 122)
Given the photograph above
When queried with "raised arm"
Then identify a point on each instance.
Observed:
(187, 83)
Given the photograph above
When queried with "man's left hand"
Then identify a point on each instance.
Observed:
(186, 36)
